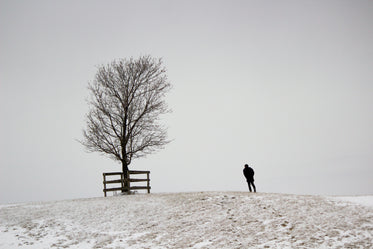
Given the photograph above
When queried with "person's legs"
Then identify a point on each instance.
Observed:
(248, 183)
(252, 183)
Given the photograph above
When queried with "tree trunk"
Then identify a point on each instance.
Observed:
(125, 176)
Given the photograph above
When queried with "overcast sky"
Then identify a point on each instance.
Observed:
(285, 86)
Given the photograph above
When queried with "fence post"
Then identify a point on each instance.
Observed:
(104, 184)
(148, 181)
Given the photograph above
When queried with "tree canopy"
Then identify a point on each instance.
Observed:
(126, 101)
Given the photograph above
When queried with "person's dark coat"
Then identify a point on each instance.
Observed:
(248, 173)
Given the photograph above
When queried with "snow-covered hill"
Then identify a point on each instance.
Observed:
(190, 220)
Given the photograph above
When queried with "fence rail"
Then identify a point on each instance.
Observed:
(125, 185)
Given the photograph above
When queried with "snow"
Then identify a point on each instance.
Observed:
(191, 220)
(362, 200)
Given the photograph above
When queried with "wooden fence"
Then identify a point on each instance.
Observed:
(126, 185)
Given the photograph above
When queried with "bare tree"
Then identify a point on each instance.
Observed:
(127, 97)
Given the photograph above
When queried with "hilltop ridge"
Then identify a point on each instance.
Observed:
(189, 220)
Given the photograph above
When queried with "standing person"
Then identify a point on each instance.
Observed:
(248, 172)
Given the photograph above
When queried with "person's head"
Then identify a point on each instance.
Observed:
(246, 165)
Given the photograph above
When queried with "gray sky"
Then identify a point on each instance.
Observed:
(285, 86)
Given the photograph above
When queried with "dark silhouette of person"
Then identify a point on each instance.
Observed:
(248, 172)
